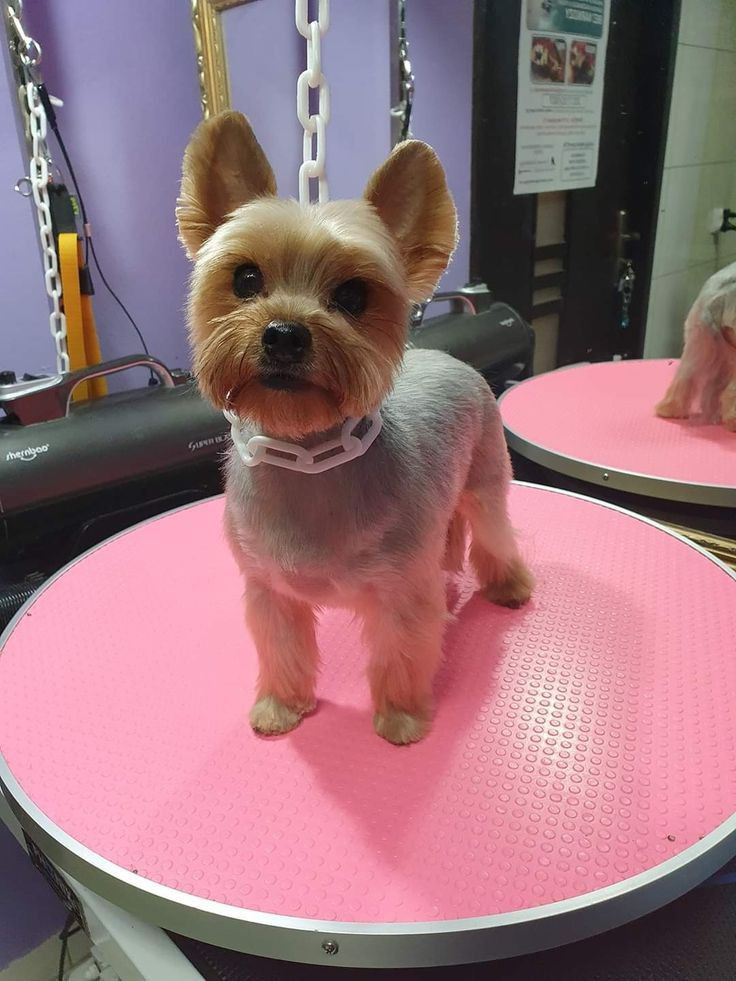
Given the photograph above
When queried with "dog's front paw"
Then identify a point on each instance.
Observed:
(272, 717)
(400, 728)
(671, 409)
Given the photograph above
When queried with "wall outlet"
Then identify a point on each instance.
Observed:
(715, 220)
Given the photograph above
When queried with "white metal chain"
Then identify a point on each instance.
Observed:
(314, 148)
(29, 52)
(406, 76)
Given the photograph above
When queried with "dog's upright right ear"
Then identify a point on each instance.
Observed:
(224, 167)
(410, 194)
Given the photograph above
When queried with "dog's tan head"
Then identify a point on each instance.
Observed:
(298, 315)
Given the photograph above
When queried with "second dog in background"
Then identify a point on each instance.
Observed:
(298, 319)
(706, 376)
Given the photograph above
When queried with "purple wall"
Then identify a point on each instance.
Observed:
(358, 136)
(131, 101)
(441, 51)
(29, 910)
(357, 52)
(263, 85)
(356, 55)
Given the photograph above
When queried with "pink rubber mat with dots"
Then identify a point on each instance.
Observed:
(583, 747)
(597, 422)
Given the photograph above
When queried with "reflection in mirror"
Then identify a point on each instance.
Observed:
(210, 52)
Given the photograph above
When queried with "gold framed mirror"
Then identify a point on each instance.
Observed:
(209, 43)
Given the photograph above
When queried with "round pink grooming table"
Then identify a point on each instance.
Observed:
(596, 422)
(580, 771)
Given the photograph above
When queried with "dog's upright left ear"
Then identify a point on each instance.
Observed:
(409, 191)
(224, 167)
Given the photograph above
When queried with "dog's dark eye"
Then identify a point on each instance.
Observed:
(247, 282)
(350, 297)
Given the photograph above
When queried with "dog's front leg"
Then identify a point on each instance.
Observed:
(403, 631)
(283, 631)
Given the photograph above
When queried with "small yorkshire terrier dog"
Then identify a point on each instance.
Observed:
(298, 320)
(706, 375)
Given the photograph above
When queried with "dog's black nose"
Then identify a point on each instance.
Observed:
(286, 341)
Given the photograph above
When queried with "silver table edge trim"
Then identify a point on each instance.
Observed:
(630, 481)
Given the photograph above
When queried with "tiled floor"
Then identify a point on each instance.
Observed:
(42, 963)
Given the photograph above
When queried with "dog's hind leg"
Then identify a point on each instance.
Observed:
(494, 553)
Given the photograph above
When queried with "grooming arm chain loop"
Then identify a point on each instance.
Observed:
(28, 51)
(314, 124)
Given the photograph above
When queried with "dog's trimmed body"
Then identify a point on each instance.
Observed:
(375, 533)
(327, 538)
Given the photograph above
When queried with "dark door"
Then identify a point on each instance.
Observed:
(606, 226)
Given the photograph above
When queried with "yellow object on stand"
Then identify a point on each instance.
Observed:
(81, 332)
(97, 386)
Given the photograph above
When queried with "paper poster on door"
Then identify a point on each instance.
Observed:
(562, 65)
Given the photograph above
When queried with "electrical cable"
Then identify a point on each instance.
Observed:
(89, 243)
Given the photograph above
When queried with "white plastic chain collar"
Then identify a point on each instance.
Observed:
(29, 52)
(325, 456)
(313, 167)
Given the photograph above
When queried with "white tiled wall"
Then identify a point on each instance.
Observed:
(700, 170)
